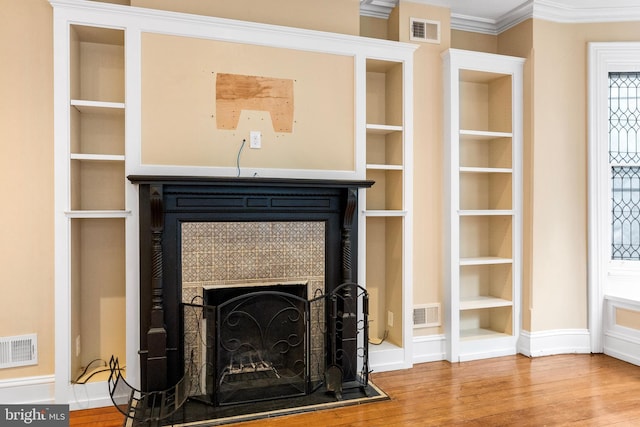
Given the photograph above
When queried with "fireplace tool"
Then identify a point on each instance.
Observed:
(142, 408)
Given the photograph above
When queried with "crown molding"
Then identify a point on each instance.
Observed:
(561, 11)
(377, 8)
(586, 11)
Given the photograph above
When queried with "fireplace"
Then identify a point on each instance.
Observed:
(170, 205)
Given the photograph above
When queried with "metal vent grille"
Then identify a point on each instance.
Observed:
(19, 350)
(426, 315)
(424, 30)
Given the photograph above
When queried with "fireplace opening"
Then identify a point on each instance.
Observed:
(259, 343)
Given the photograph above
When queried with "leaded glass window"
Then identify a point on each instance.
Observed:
(624, 157)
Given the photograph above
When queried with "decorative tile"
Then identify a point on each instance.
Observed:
(244, 251)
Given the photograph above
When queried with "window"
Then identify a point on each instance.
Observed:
(624, 160)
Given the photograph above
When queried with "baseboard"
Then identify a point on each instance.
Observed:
(621, 342)
(429, 348)
(623, 347)
(559, 341)
(387, 357)
(36, 390)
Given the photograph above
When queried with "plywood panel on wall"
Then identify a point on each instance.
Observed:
(179, 116)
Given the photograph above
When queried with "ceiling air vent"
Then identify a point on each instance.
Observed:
(424, 30)
(426, 315)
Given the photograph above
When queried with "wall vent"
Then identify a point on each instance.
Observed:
(21, 350)
(426, 315)
(424, 30)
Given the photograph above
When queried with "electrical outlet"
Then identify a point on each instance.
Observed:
(78, 348)
(255, 139)
(389, 317)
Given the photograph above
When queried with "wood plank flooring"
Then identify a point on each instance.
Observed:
(580, 390)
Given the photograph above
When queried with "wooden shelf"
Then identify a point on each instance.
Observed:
(97, 157)
(483, 135)
(382, 129)
(384, 213)
(480, 302)
(486, 260)
(98, 214)
(385, 167)
(481, 333)
(486, 212)
(467, 169)
(86, 106)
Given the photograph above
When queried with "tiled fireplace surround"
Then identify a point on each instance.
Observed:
(247, 254)
(218, 254)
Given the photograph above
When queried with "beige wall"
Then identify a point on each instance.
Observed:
(26, 176)
(474, 41)
(428, 154)
(518, 41)
(374, 27)
(338, 16)
(179, 116)
(559, 159)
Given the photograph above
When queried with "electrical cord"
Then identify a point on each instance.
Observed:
(86, 369)
(238, 158)
(378, 341)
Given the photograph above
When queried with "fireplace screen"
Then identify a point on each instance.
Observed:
(274, 342)
(261, 344)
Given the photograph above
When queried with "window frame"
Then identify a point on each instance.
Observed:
(605, 276)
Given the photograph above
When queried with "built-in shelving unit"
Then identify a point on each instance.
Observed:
(97, 209)
(99, 133)
(483, 176)
(92, 211)
(387, 208)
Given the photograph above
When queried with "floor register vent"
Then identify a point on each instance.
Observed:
(426, 315)
(20, 350)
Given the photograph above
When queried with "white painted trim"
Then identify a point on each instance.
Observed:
(167, 170)
(619, 341)
(61, 205)
(602, 58)
(622, 347)
(387, 357)
(572, 11)
(377, 8)
(560, 11)
(34, 390)
(429, 348)
(454, 60)
(90, 395)
(559, 341)
(223, 29)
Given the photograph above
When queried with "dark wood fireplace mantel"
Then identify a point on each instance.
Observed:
(167, 201)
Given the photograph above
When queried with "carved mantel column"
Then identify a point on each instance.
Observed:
(157, 334)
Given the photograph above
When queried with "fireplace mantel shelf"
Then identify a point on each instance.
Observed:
(249, 181)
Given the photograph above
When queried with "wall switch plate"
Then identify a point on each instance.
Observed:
(255, 139)
(390, 318)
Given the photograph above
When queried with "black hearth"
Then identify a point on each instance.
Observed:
(167, 202)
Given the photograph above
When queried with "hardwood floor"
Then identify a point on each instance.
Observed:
(585, 390)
